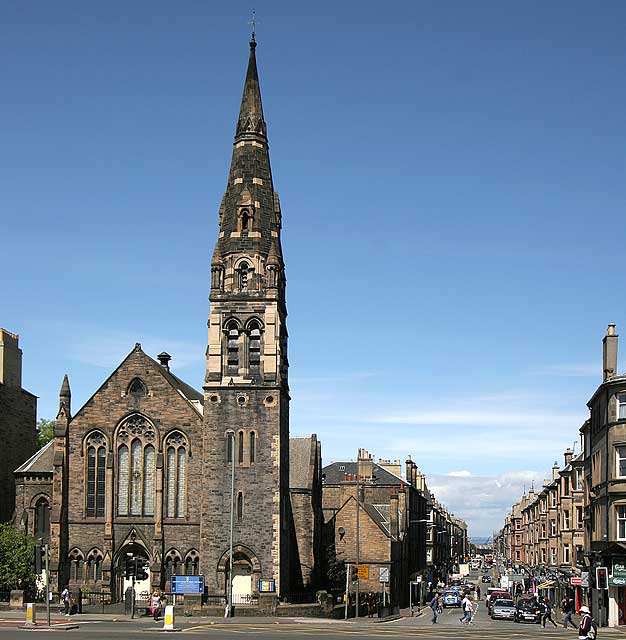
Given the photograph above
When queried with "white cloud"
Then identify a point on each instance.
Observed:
(460, 474)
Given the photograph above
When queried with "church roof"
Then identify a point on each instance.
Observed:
(40, 462)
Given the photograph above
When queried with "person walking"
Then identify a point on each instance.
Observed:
(478, 591)
(65, 599)
(567, 606)
(466, 604)
(155, 601)
(434, 605)
(587, 629)
(547, 613)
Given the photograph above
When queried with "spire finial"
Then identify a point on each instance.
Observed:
(253, 25)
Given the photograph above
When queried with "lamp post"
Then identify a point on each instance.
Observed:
(231, 439)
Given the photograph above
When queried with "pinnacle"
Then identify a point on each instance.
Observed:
(251, 111)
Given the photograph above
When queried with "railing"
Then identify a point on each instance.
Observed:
(214, 600)
(242, 599)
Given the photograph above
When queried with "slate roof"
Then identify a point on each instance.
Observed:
(299, 462)
(40, 462)
(335, 471)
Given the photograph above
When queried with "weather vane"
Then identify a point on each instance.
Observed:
(253, 23)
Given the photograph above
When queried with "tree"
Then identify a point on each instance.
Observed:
(45, 432)
(16, 560)
(335, 567)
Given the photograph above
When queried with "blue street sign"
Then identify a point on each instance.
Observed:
(187, 584)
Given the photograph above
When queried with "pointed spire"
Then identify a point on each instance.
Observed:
(65, 398)
(65, 388)
(273, 257)
(251, 121)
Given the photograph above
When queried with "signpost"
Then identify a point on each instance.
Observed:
(384, 579)
(187, 584)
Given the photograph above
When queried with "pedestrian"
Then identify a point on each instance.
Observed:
(371, 601)
(434, 605)
(547, 614)
(65, 599)
(567, 606)
(588, 628)
(478, 591)
(466, 605)
(155, 601)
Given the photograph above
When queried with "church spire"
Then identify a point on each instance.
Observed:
(251, 122)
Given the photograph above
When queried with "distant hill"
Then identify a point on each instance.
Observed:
(485, 540)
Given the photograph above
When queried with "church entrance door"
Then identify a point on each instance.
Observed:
(129, 554)
(242, 582)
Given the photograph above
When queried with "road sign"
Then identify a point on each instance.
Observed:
(575, 582)
(584, 576)
(384, 574)
(187, 584)
(363, 571)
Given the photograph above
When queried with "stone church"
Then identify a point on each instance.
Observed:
(144, 467)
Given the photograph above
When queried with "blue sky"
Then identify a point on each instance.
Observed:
(452, 184)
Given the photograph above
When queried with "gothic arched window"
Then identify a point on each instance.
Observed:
(176, 449)
(254, 348)
(232, 333)
(240, 506)
(173, 564)
(192, 563)
(42, 519)
(229, 446)
(243, 276)
(252, 446)
(96, 474)
(136, 467)
(245, 220)
(76, 559)
(137, 388)
(94, 566)
(241, 447)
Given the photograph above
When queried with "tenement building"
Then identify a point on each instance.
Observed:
(18, 416)
(144, 467)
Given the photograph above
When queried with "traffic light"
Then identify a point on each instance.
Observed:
(141, 572)
(130, 567)
(37, 558)
(354, 572)
(602, 578)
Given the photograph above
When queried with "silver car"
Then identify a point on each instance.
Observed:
(503, 609)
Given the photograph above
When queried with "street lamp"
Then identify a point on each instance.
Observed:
(231, 442)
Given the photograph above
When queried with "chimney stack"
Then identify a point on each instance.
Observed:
(555, 471)
(10, 360)
(164, 359)
(393, 515)
(365, 465)
(568, 456)
(609, 353)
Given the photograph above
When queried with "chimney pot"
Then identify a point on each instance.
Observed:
(164, 358)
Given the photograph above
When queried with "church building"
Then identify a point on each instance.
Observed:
(143, 468)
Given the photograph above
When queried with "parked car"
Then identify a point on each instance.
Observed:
(527, 610)
(486, 579)
(503, 609)
(451, 598)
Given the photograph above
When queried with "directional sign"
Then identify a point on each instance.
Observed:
(384, 574)
(187, 584)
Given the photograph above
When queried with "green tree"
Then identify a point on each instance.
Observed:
(16, 560)
(45, 432)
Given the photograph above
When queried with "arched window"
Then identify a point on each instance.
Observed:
(192, 564)
(241, 447)
(240, 506)
(243, 276)
(76, 559)
(176, 448)
(137, 388)
(136, 467)
(232, 332)
(254, 348)
(94, 566)
(173, 564)
(42, 519)
(96, 474)
(229, 447)
(245, 219)
(252, 446)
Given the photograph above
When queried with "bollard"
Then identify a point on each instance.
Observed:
(168, 620)
(31, 616)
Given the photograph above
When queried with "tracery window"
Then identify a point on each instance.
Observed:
(176, 448)
(96, 445)
(192, 563)
(173, 564)
(136, 467)
(94, 566)
(76, 565)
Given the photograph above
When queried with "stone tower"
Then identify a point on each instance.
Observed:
(246, 388)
